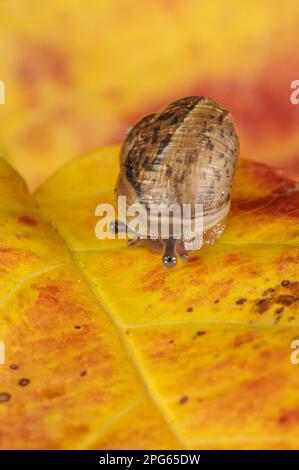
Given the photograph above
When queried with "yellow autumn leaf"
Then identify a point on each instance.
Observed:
(106, 349)
(67, 381)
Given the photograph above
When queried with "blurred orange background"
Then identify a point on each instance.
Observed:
(78, 73)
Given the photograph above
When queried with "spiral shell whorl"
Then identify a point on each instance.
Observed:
(186, 153)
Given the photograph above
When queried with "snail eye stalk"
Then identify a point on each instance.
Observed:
(169, 257)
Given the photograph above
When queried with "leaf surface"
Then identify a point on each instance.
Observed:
(67, 381)
(106, 349)
(210, 340)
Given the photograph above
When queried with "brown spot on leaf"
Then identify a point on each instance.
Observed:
(4, 397)
(183, 399)
(263, 305)
(24, 382)
(241, 301)
(286, 299)
(269, 291)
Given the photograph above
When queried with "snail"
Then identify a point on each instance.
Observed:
(184, 154)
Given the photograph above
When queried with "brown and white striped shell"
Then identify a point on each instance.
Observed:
(186, 153)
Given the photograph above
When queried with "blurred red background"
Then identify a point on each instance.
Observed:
(77, 74)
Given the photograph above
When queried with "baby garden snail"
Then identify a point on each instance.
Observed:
(184, 154)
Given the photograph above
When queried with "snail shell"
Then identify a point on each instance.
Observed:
(184, 154)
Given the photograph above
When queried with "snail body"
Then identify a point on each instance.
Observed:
(184, 154)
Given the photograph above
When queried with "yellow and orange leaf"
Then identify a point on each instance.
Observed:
(121, 353)
(67, 381)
